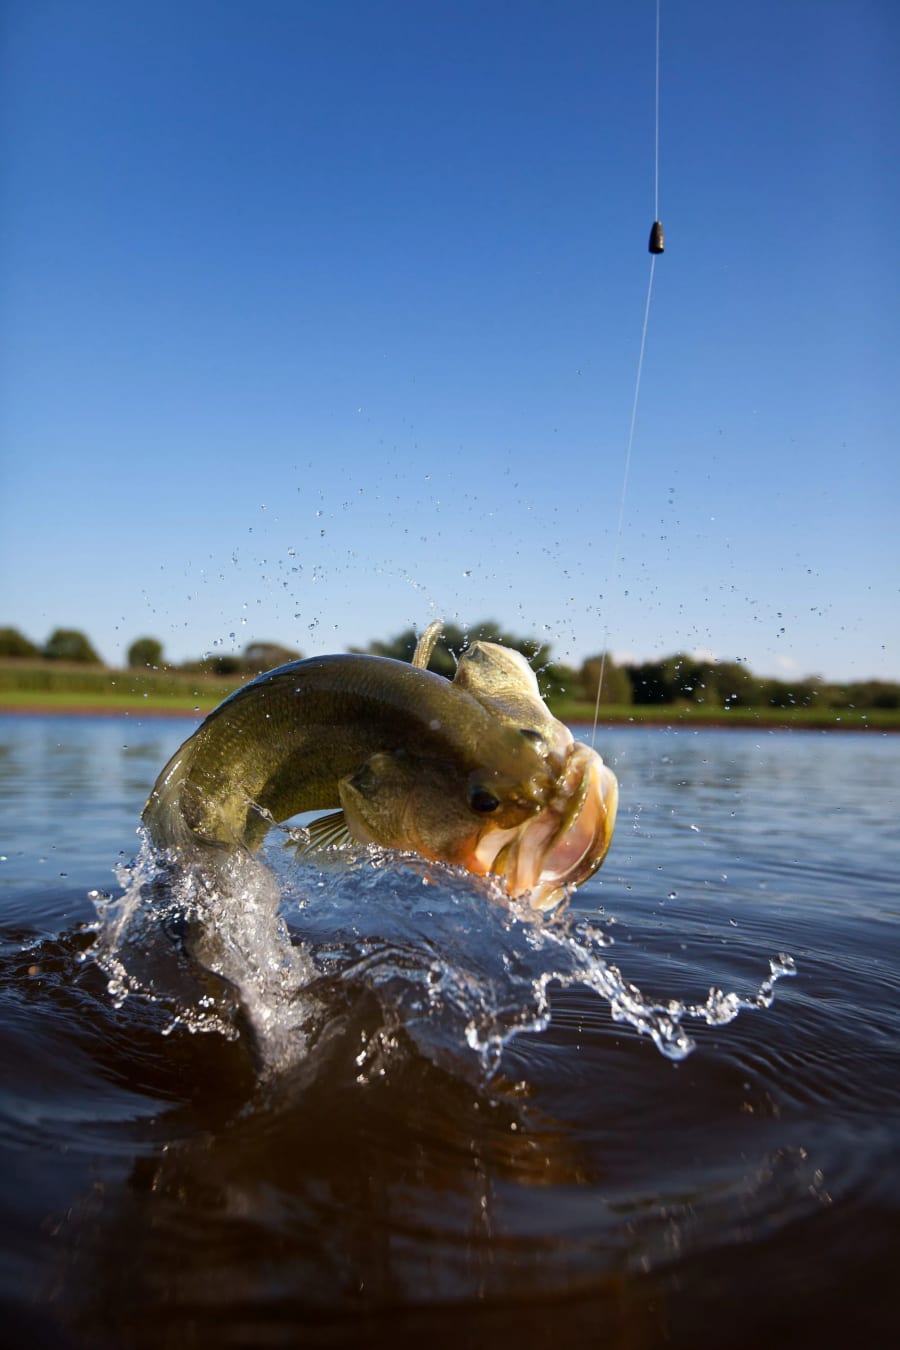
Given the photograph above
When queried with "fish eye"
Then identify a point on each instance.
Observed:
(365, 781)
(532, 735)
(483, 801)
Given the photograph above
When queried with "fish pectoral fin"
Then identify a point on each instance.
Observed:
(329, 831)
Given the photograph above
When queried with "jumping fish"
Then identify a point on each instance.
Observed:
(475, 771)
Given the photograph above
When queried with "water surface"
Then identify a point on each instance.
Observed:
(393, 1130)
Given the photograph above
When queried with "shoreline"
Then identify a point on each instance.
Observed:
(686, 722)
(97, 710)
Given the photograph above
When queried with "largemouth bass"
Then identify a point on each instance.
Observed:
(475, 771)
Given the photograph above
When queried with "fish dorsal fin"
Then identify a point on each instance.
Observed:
(426, 645)
(329, 831)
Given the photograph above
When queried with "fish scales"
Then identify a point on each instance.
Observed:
(474, 771)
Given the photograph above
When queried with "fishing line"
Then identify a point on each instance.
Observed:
(656, 136)
(656, 245)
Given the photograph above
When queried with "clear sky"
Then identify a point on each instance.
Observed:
(322, 319)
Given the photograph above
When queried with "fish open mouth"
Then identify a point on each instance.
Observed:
(566, 842)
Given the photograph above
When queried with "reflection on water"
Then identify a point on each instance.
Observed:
(381, 1186)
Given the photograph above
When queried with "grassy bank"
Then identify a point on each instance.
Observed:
(54, 687)
(700, 715)
(50, 701)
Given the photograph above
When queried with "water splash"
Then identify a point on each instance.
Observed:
(286, 948)
(210, 944)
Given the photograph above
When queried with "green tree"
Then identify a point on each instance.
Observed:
(15, 644)
(145, 651)
(69, 644)
(654, 681)
(226, 664)
(454, 640)
(616, 684)
(674, 678)
(680, 675)
(260, 656)
(555, 680)
(809, 692)
(725, 683)
(876, 694)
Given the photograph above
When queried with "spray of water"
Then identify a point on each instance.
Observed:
(281, 949)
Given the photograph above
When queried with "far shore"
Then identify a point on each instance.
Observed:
(69, 709)
(649, 715)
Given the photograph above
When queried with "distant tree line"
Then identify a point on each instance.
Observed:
(680, 678)
(683, 678)
(453, 640)
(71, 645)
(63, 644)
(254, 659)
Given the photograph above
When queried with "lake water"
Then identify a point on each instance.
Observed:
(409, 1115)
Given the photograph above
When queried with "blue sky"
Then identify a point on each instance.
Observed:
(321, 319)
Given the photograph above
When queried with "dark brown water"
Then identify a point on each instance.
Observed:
(416, 1118)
